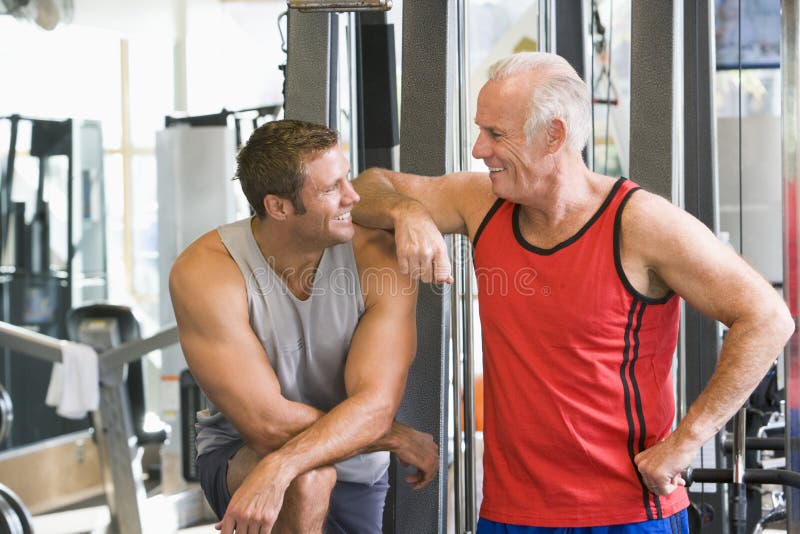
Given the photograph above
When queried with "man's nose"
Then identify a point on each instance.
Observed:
(479, 149)
(350, 193)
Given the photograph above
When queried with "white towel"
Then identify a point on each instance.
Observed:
(74, 383)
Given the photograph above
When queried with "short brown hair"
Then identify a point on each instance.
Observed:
(272, 162)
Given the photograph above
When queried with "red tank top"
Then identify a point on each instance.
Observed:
(577, 375)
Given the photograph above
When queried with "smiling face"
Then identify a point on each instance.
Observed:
(517, 166)
(328, 197)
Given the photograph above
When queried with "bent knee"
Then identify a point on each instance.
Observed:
(316, 482)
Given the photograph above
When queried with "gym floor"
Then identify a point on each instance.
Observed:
(91, 520)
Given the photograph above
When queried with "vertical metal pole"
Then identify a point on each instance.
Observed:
(471, 515)
(738, 512)
(652, 70)
(426, 149)
(462, 329)
(6, 186)
(458, 411)
(5, 238)
(120, 460)
(547, 26)
(552, 30)
(790, 117)
(353, 58)
(699, 339)
(180, 99)
(571, 23)
(309, 67)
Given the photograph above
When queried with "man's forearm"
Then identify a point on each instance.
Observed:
(747, 353)
(391, 441)
(292, 419)
(381, 204)
(343, 432)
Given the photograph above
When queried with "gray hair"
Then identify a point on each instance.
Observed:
(559, 94)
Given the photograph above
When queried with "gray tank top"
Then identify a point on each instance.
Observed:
(306, 340)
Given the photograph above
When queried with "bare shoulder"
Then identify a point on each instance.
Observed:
(477, 199)
(374, 247)
(657, 230)
(376, 258)
(665, 248)
(204, 264)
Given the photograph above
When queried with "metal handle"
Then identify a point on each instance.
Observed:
(457, 344)
(49, 348)
(463, 381)
(738, 518)
(461, 314)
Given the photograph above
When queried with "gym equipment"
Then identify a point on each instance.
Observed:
(192, 401)
(52, 250)
(14, 517)
(6, 413)
(256, 116)
(340, 5)
(122, 471)
(106, 326)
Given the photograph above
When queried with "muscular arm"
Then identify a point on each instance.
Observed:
(420, 209)
(689, 259)
(224, 354)
(381, 351)
(228, 360)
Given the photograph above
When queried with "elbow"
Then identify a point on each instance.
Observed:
(265, 436)
(784, 323)
(776, 324)
(265, 439)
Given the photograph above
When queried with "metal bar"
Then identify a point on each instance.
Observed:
(790, 126)
(121, 468)
(308, 65)
(471, 514)
(340, 5)
(751, 476)
(697, 192)
(738, 512)
(48, 348)
(552, 30)
(463, 86)
(462, 328)
(6, 185)
(739, 433)
(652, 71)
(133, 350)
(547, 26)
(353, 59)
(541, 31)
(333, 73)
(426, 149)
(73, 141)
(32, 343)
(571, 24)
(756, 444)
(458, 409)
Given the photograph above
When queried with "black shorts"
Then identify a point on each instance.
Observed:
(354, 508)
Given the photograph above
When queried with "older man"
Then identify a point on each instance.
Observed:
(579, 278)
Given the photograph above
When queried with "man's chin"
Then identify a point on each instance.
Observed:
(344, 234)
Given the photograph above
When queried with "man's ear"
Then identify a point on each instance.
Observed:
(556, 135)
(278, 208)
